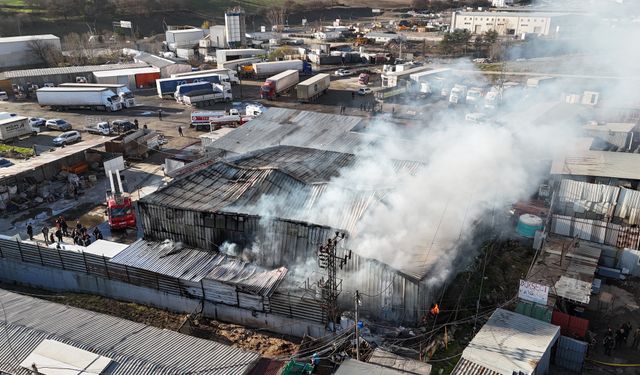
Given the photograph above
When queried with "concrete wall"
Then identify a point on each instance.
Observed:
(504, 24)
(68, 281)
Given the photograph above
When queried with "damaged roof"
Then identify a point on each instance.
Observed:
(133, 347)
(173, 259)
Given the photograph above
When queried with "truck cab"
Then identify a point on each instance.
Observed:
(120, 212)
(458, 94)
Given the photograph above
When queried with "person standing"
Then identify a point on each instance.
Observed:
(45, 234)
(64, 226)
(608, 345)
(59, 235)
(160, 114)
(180, 131)
(135, 123)
(353, 95)
(30, 231)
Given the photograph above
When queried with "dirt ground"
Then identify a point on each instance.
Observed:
(266, 344)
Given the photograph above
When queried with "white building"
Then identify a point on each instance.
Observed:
(224, 55)
(186, 38)
(328, 35)
(501, 3)
(18, 51)
(380, 37)
(512, 23)
(235, 27)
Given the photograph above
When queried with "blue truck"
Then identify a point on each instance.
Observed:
(168, 86)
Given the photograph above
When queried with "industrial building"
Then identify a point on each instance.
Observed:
(226, 200)
(225, 55)
(514, 23)
(18, 51)
(135, 78)
(235, 27)
(46, 335)
(61, 75)
(184, 38)
(383, 37)
(509, 343)
(167, 66)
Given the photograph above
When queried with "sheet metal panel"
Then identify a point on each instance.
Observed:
(628, 207)
(571, 353)
(135, 348)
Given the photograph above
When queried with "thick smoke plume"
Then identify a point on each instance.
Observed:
(459, 173)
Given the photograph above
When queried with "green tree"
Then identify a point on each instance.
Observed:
(491, 36)
(455, 42)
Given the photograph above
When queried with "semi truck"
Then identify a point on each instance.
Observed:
(458, 95)
(200, 98)
(166, 87)
(126, 96)
(15, 127)
(189, 87)
(312, 88)
(279, 84)
(266, 69)
(93, 98)
(231, 74)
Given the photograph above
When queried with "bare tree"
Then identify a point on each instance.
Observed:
(80, 49)
(46, 52)
(276, 16)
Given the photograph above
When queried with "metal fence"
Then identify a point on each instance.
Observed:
(100, 266)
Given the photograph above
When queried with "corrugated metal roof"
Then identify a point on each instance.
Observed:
(172, 259)
(135, 348)
(511, 342)
(406, 365)
(289, 127)
(68, 70)
(153, 60)
(465, 367)
(254, 183)
(126, 72)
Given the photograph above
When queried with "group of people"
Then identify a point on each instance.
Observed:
(79, 234)
(618, 338)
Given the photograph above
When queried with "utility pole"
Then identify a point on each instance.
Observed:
(357, 327)
(331, 287)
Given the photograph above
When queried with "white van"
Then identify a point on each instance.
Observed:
(3, 95)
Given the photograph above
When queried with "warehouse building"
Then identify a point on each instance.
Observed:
(47, 336)
(290, 156)
(134, 78)
(20, 51)
(61, 75)
(514, 23)
(167, 66)
(184, 38)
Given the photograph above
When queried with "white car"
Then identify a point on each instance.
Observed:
(67, 138)
(58, 124)
(36, 121)
(343, 72)
(3, 95)
(364, 91)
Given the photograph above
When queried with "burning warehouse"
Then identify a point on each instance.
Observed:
(410, 201)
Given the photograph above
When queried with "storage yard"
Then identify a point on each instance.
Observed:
(401, 192)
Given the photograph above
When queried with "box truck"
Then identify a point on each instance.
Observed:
(167, 86)
(313, 87)
(93, 98)
(126, 96)
(279, 84)
(14, 127)
(266, 69)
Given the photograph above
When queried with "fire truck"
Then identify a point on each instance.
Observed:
(119, 205)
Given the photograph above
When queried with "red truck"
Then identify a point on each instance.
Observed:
(279, 84)
(120, 209)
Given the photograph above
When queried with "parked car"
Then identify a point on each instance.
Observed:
(121, 126)
(364, 91)
(3, 95)
(58, 124)
(343, 72)
(67, 138)
(36, 121)
(5, 163)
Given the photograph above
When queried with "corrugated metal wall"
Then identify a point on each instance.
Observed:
(282, 243)
(570, 354)
(599, 231)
